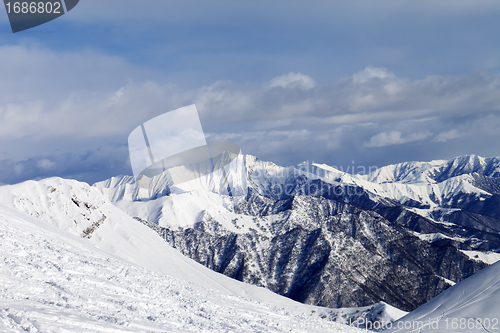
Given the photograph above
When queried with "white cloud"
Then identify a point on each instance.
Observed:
(47, 94)
(45, 164)
(395, 138)
(371, 73)
(292, 81)
(273, 143)
(448, 135)
(106, 102)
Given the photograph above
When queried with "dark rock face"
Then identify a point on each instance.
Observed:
(328, 253)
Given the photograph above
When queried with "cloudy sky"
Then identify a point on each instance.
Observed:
(363, 83)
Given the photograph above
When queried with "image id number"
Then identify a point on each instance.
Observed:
(34, 7)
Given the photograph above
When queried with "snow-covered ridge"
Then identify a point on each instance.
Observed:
(86, 213)
(432, 183)
(406, 173)
(487, 257)
(425, 184)
(436, 171)
(124, 188)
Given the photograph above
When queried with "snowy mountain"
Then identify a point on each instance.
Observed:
(470, 306)
(436, 171)
(320, 236)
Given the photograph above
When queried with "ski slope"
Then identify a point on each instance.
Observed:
(76, 207)
(57, 276)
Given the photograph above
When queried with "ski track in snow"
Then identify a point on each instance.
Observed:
(52, 281)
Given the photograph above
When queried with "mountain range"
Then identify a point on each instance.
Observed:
(337, 247)
(402, 234)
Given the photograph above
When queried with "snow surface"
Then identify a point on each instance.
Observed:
(124, 187)
(420, 187)
(407, 183)
(436, 236)
(459, 308)
(53, 281)
(407, 172)
(367, 315)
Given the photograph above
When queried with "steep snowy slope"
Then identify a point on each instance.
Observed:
(54, 281)
(406, 173)
(462, 195)
(472, 305)
(462, 181)
(82, 210)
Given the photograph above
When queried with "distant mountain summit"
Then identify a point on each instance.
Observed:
(402, 235)
(436, 171)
